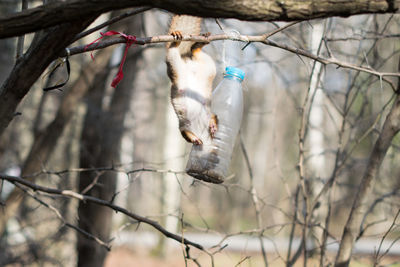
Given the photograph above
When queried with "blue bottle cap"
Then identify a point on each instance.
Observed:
(235, 72)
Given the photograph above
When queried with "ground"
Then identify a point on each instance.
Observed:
(127, 257)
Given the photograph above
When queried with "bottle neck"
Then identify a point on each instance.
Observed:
(233, 77)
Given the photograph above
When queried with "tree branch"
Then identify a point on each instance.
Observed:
(254, 198)
(55, 13)
(31, 65)
(81, 197)
(242, 38)
(63, 220)
(111, 21)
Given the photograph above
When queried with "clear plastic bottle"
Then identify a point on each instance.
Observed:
(210, 161)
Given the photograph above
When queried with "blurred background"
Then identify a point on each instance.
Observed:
(307, 134)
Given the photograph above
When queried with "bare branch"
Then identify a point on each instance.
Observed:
(63, 220)
(111, 21)
(242, 260)
(113, 168)
(81, 197)
(378, 257)
(243, 38)
(254, 198)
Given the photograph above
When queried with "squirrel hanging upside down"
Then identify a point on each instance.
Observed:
(191, 72)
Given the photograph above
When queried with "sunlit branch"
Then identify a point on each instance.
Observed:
(241, 38)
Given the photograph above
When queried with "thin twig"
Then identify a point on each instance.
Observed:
(111, 21)
(254, 198)
(378, 257)
(114, 168)
(371, 208)
(63, 220)
(93, 183)
(362, 38)
(21, 39)
(242, 260)
(289, 259)
(267, 35)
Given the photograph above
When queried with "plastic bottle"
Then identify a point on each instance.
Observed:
(210, 161)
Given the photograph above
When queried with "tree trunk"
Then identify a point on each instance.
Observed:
(7, 59)
(174, 148)
(317, 163)
(45, 142)
(351, 231)
(101, 140)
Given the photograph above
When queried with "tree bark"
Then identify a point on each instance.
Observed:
(101, 143)
(351, 231)
(7, 59)
(43, 50)
(94, 219)
(174, 147)
(7, 47)
(45, 142)
(256, 10)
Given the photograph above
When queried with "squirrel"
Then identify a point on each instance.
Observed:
(191, 72)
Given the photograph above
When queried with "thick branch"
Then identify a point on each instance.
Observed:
(30, 66)
(55, 13)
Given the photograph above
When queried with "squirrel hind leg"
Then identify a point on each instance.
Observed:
(191, 137)
(213, 125)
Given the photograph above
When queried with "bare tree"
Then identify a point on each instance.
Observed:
(391, 127)
(295, 190)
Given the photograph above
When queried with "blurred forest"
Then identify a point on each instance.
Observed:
(316, 160)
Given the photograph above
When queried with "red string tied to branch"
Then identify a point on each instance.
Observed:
(130, 39)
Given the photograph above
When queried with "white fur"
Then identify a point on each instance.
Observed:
(194, 77)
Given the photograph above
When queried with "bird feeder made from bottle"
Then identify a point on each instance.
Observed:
(210, 161)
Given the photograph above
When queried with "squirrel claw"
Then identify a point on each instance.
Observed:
(213, 130)
(191, 137)
(177, 35)
(197, 141)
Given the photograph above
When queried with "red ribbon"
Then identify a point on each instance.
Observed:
(130, 39)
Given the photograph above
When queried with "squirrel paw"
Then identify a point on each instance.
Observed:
(177, 35)
(213, 125)
(191, 137)
(197, 141)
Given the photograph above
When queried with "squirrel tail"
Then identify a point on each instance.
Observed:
(187, 25)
